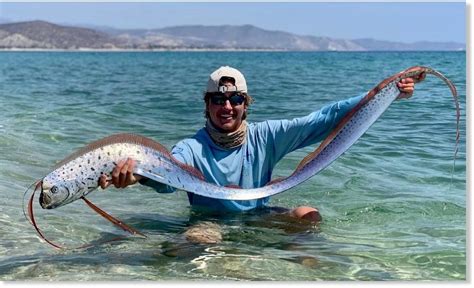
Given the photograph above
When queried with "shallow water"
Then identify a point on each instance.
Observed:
(392, 208)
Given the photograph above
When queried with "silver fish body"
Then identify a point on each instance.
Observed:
(78, 175)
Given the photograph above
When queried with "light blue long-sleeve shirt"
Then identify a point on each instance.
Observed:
(251, 164)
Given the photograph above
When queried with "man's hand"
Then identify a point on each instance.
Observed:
(407, 86)
(122, 175)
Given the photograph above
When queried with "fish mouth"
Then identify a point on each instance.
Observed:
(44, 199)
(45, 202)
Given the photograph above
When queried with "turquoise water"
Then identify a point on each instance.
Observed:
(392, 208)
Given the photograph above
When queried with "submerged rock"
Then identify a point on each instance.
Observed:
(204, 233)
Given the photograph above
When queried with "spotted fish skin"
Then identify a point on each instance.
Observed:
(366, 112)
(349, 133)
(78, 175)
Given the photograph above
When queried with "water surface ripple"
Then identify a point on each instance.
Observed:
(391, 209)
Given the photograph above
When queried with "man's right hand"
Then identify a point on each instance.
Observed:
(122, 175)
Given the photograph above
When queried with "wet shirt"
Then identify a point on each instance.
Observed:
(251, 164)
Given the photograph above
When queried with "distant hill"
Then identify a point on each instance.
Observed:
(228, 37)
(45, 35)
(372, 44)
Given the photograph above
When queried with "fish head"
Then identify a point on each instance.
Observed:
(54, 194)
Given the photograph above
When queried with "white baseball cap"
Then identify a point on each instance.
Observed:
(226, 71)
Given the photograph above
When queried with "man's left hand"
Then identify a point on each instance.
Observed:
(407, 86)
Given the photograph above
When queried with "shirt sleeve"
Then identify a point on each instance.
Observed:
(181, 153)
(290, 135)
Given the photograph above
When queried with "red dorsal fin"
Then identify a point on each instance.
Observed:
(114, 139)
(276, 180)
(233, 186)
(188, 168)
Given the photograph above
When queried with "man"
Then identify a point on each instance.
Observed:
(230, 151)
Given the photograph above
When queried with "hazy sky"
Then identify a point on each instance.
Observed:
(400, 21)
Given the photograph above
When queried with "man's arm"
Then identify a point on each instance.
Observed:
(285, 136)
(290, 135)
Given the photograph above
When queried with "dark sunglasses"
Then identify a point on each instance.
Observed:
(235, 99)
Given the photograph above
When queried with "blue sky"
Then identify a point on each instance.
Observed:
(399, 21)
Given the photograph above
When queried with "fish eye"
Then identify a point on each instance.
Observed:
(54, 189)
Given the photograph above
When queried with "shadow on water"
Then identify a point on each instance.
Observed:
(250, 230)
(248, 233)
(259, 236)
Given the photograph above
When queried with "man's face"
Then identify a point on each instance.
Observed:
(226, 117)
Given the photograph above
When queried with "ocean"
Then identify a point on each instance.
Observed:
(393, 206)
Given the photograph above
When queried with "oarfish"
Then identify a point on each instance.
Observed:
(78, 175)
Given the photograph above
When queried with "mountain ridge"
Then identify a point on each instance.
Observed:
(40, 34)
